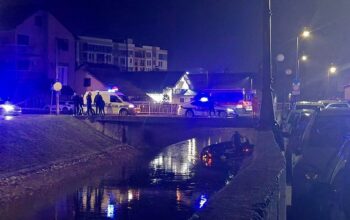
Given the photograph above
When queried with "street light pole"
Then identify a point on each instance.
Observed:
(266, 114)
(298, 62)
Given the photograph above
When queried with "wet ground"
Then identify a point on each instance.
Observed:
(172, 185)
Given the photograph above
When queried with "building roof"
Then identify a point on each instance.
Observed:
(133, 83)
(199, 82)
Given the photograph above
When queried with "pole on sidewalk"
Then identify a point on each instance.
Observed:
(267, 115)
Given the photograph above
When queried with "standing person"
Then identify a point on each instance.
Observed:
(89, 110)
(236, 141)
(102, 109)
(81, 105)
(75, 99)
(97, 102)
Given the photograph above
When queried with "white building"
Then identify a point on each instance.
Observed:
(126, 55)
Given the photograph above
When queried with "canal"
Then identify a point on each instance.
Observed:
(174, 184)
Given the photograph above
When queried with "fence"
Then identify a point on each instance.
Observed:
(157, 108)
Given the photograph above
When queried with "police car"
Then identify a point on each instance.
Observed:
(203, 107)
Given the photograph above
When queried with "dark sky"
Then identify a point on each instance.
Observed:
(217, 34)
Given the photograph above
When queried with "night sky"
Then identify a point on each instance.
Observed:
(216, 34)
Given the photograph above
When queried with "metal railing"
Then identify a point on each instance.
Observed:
(157, 108)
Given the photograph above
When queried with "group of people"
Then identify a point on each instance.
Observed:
(78, 102)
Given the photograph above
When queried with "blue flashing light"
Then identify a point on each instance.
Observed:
(110, 211)
(204, 99)
(202, 201)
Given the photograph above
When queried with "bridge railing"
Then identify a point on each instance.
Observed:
(150, 108)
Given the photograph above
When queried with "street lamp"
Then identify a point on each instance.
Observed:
(332, 70)
(304, 35)
(304, 58)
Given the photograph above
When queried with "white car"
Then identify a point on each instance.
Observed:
(65, 107)
(8, 109)
(200, 108)
(338, 105)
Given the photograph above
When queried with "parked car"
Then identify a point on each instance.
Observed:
(205, 108)
(115, 103)
(338, 105)
(9, 109)
(65, 107)
(324, 168)
(294, 118)
(316, 106)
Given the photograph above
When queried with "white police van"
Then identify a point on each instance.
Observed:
(115, 102)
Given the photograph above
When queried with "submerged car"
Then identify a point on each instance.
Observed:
(205, 108)
(8, 109)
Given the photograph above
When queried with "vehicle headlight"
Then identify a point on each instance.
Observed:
(131, 106)
(239, 106)
(9, 108)
(230, 110)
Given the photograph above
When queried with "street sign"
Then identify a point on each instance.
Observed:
(296, 88)
(57, 86)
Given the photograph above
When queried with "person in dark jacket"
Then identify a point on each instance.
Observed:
(102, 107)
(97, 102)
(89, 110)
(75, 99)
(236, 141)
(81, 104)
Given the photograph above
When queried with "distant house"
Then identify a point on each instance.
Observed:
(141, 86)
(35, 50)
(228, 81)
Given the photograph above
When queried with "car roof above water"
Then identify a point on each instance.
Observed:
(335, 112)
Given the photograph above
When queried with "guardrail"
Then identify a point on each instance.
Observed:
(157, 108)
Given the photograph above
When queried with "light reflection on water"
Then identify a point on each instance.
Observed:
(176, 185)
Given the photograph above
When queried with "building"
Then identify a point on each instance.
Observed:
(35, 51)
(126, 55)
(94, 50)
(139, 86)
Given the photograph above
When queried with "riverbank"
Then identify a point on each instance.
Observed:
(42, 152)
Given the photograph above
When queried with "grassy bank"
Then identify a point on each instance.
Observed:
(30, 141)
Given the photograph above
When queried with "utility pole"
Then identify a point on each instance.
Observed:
(266, 113)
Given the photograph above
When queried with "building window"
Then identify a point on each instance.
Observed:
(109, 58)
(38, 21)
(148, 55)
(163, 56)
(84, 56)
(142, 62)
(91, 57)
(130, 61)
(182, 100)
(23, 64)
(62, 71)
(62, 44)
(160, 64)
(87, 82)
(22, 39)
(100, 58)
(149, 63)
